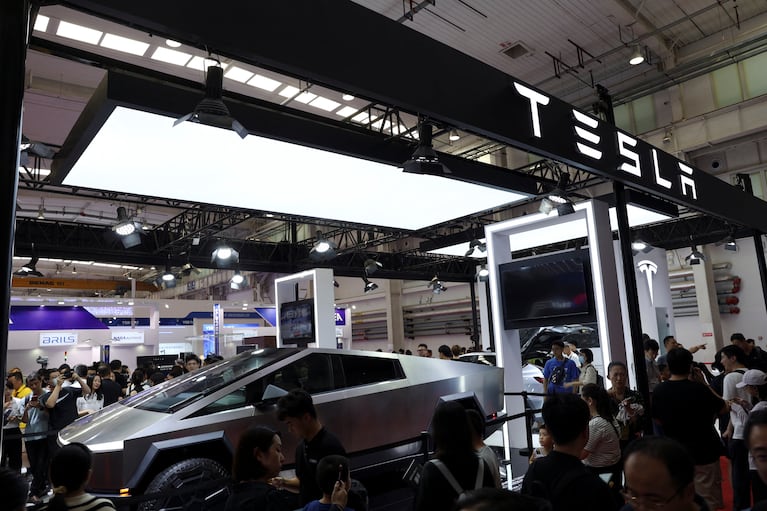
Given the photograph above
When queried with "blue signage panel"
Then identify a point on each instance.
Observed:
(43, 317)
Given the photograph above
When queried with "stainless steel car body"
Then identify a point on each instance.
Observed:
(376, 422)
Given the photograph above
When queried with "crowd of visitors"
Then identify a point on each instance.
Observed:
(603, 447)
(38, 405)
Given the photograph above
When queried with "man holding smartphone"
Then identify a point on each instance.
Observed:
(36, 418)
(61, 402)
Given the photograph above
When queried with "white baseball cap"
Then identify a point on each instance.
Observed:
(753, 377)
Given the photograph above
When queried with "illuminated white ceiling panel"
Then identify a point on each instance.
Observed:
(143, 154)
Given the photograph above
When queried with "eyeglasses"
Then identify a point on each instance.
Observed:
(650, 501)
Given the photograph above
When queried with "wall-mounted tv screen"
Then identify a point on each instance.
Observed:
(553, 289)
(297, 322)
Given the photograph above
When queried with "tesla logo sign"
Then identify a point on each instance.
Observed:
(49, 339)
(603, 146)
(649, 268)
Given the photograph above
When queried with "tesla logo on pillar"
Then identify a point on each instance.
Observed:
(649, 268)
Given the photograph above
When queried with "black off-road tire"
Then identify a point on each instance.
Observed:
(203, 473)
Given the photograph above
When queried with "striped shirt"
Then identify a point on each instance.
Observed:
(87, 502)
(604, 444)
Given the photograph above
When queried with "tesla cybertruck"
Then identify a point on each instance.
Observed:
(185, 430)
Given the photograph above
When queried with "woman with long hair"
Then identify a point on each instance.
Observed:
(70, 471)
(93, 401)
(137, 380)
(602, 453)
(257, 460)
(456, 466)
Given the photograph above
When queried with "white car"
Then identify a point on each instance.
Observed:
(532, 377)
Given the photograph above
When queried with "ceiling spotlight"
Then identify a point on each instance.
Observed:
(125, 224)
(454, 135)
(168, 276)
(323, 248)
(212, 110)
(347, 97)
(436, 285)
(559, 194)
(566, 208)
(371, 266)
(224, 256)
(695, 256)
(335, 283)
(639, 245)
(667, 136)
(636, 56)
(41, 212)
(424, 159)
(188, 268)
(29, 269)
(546, 206)
(483, 273)
(237, 281)
(731, 245)
(369, 286)
(474, 246)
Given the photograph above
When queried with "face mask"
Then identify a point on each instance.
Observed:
(582, 359)
(54, 381)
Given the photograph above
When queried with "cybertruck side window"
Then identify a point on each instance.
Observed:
(361, 370)
(313, 373)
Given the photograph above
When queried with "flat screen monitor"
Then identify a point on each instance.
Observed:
(554, 289)
(297, 322)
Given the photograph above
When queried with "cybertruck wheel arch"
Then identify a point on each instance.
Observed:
(164, 453)
(183, 475)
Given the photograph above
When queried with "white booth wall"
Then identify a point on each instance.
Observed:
(752, 320)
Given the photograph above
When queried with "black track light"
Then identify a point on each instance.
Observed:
(425, 159)
(212, 110)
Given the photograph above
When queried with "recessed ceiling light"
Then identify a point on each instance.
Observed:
(78, 32)
(305, 97)
(347, 97)
(289, 91)
(119, 43)
(385, 122)
(41, 23)
(263, 82)
(178, 58)
(346, 111)
(202, 63)
(269, 215)
(238, 74)
(363, 118)
(325, 104)
(172, 43)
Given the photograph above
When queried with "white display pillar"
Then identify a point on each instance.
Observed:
(591, 220)
(708, 308)
(395, 323)
(321, 282)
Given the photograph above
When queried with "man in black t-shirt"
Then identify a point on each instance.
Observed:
(560, 477)
(756, 358)
(685, 408)
(61, 402)
(109, 387)
(296, 410)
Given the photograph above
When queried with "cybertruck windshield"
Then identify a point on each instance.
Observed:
(175, 394)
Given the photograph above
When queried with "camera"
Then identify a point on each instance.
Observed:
(68, 375)
(43, 361)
